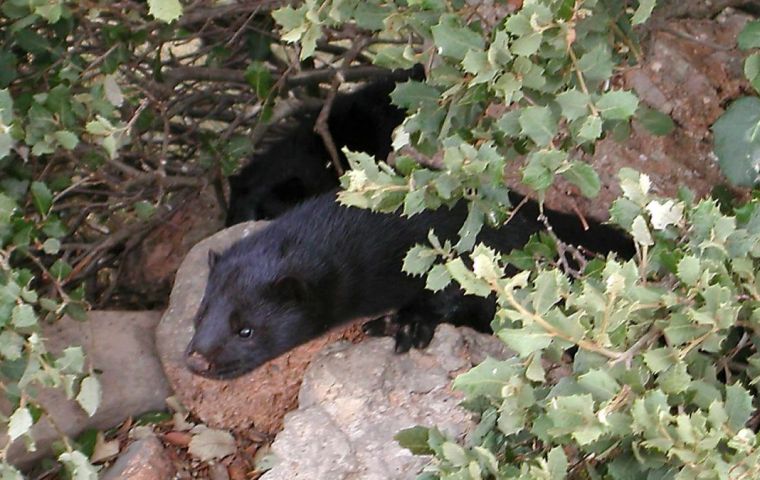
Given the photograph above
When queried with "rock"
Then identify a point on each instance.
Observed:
(691, 80)
(355, 398)
(258, 400)
(121, 346)
(144, 459)
(149, 268)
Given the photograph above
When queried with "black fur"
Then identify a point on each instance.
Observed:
(296, 165)
(321, 264)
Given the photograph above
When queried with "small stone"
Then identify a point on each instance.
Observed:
(145, 459)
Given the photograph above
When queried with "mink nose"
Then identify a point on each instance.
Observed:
(197, 363)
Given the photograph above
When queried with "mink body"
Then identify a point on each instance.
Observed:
(322, 264)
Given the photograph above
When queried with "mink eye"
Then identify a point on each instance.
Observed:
(245, 332)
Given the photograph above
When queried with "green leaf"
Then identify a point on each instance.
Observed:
(640, 231)
(643, 12)
(78, 466)
(591, 128)
(42, 197)
(600, 384)
(51, 246)
(539, 172)
(413, 94)
(144, 209)
(454, 454)
(524, 341)
(596, 64)
(574, 103)
(655, 121)
(659, 359)
(89, 395)
(487, 379)
(165, 10)
(749, 37)
(752, 70)
(68, 140)
(689, 270)
(414, 439)
(738, 406)
(23, 316)
(617, 105)
(557, 463)
(538, 124)
(737, 141)
(583, 176)
(454, 39)
(418, 260)
(19, 423)
(438, 278)
(527, 45)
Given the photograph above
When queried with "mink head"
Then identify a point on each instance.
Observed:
(252, 311)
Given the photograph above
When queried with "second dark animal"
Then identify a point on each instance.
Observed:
(321, 265)
(294, 165)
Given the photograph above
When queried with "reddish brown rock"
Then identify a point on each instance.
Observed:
(691, 70)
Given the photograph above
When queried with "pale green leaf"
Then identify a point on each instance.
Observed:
(523, 341)
(643, 11)
(454, 39)
(749, 37)
(89, 395)
(738, 406)
(538, 124)
(19, 423)
(617, 105)
(165, 10)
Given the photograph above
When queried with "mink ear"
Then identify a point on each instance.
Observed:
(213, 257)
(290, 288)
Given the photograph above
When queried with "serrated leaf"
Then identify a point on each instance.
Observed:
(414, 439)
(738, 406)
(486, 379)
(737, 141)
(19, 423)
(524, 341)
(659, 359)
(591, 128)
(597, 64)
(538, 124)
(438, 278)
(454, 39)
(90, 395)
(574, 103)
(600, 384)
(413, 94)
(689, 270)
(23, 316)
(165, 10)
(557, 463)
(539, 171)
(640, 231)
(454, 454)
(209, 444)
(583, 176)
(66, 139)
(665, 214)
(418, 260)
(617, 105)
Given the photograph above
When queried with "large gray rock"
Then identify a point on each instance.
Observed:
(121, 346)
(355, 398)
